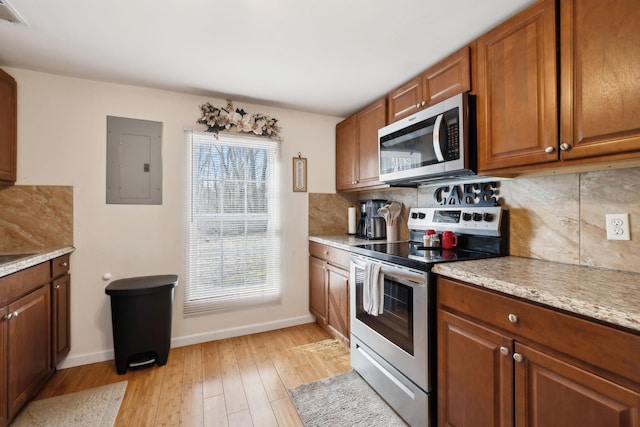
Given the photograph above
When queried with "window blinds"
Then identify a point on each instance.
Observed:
(233, 231)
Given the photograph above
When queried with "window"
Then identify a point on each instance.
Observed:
(233, 250)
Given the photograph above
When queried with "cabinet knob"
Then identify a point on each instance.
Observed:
(11, 315)
(518, 357)
(504, 350)
(56, 287)
(423, 103)
(63, 264)
(549, 149)
(418, 105)
(565, 147)
(513, 318)
(326, 252)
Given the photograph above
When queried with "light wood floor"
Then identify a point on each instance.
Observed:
(232, 382)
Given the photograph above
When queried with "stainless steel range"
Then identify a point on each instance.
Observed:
(392, 302)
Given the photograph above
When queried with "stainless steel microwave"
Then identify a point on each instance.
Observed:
(435, 143)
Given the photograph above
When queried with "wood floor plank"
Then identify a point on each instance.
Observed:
(212, 377)
(286, 413)
(235, 398)
(215, 411)
(235, 382)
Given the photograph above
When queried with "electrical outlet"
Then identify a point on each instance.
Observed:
(618, 227)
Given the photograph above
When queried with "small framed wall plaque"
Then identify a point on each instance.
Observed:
(299, 174)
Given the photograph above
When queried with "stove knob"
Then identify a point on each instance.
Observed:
(488, 217)
(414, 215)
(466, 216)
(477, 216)
(422, 215)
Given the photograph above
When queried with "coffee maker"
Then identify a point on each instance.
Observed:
(371, 225)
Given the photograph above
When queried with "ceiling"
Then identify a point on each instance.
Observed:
(329, 57)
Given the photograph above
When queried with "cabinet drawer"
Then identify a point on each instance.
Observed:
(602, 346)
(338, 257)
(22, 282)
(60, 266)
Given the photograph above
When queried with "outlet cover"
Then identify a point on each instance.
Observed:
(618, 226)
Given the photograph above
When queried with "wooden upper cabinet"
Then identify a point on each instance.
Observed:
(357, 148)
(448, 77)
(368, 122)
(346, 153)
(516, 92)
(600, 80)
(405, 100)
(8, 128)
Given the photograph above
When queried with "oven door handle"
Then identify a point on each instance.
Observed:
(407, 277)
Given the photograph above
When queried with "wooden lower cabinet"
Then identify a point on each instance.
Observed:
(329, 288)
(34, 331)
(475, 381)
(338, 300)
(61, 327)
(4, 413)
(495, 373)
(318, 290)
(551, 392)
(29, 347)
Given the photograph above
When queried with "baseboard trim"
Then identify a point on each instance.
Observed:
(88, 358)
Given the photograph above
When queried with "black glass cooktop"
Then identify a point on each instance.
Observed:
(414, 255)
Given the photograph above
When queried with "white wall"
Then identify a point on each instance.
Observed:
(62, 141)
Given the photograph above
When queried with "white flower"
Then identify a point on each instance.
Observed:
(245, 124)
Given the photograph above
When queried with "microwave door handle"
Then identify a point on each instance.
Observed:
(436, 138)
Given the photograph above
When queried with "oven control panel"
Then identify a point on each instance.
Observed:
(468, 220)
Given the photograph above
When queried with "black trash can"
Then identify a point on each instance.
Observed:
(141, 310)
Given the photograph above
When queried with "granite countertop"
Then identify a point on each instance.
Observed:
(35, 257)
(341, 241)
(610, 296)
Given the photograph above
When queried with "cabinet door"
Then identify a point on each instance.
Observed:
(600, 90)
(318, 289)
(516, 93)
(405, 100)
(553, 393)
(346, 154)
(29, 344)
(338, 294)
(61, 296)
(475, 374)
(447, 78)
(8, 128)
(3, 365)
(368, 122)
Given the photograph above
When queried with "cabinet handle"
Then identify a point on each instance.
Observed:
(418, 105)
(63, 264)
(56, 287)
(549, 149)
(504, 350)
(326, 252)
(565, 147)
(513, 318)
(518, 357)
(11, 315)
(423, 103)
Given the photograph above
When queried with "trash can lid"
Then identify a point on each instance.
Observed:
(142, 285)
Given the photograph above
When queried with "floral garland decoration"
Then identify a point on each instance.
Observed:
(217, 119)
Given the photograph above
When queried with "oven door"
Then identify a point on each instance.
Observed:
(400, 334)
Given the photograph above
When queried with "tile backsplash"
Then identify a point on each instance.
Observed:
(556, 218)
(35, 217)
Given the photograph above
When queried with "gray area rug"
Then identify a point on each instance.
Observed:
(343, 400)
(95, 407)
